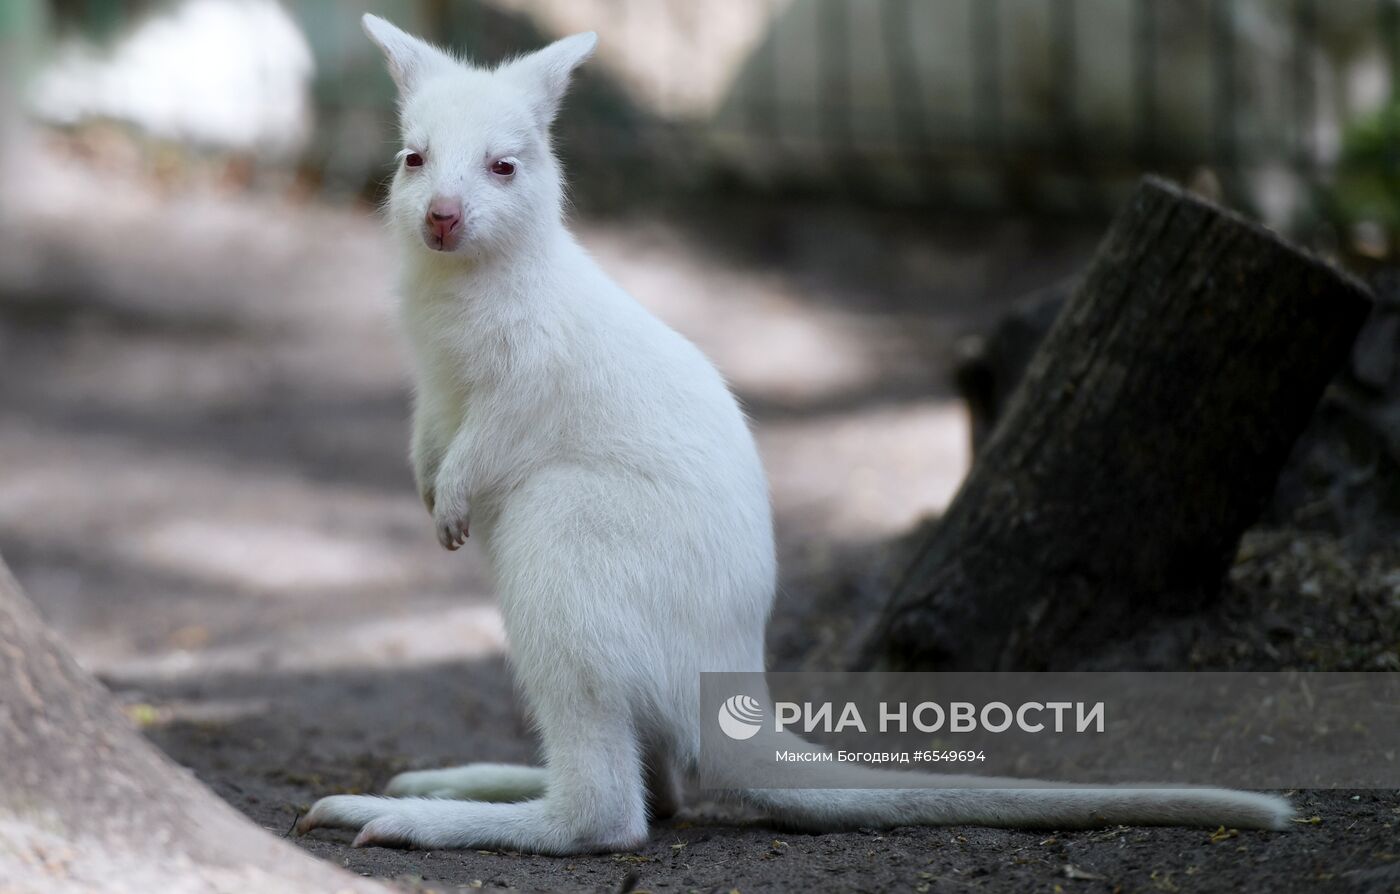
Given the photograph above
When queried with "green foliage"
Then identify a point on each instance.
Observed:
(1367, 183)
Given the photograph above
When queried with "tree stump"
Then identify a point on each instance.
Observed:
(1147, 434)
(87, 804)
(988, 368)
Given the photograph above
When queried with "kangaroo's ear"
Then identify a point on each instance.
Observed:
(408, 57)
(546, 73)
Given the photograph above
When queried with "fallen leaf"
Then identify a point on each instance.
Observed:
(1075, 872)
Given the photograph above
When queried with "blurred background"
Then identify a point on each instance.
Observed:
(202, 396)
(1285, 107)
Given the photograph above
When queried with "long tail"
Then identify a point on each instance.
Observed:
(1072, 808)
(939, 800)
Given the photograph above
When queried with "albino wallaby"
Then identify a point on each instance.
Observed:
(617, 492)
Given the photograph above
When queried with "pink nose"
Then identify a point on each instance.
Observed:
(444, 217)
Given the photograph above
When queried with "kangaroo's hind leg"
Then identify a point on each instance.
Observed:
(472, 782)
(595, 799)
(663, 786)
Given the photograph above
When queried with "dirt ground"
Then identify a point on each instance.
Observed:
(202, 425)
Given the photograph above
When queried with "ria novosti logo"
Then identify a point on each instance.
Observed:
(741, 717)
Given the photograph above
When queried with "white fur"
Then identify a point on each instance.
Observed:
(615, 487)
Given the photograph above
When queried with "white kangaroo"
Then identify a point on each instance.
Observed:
(617, 492)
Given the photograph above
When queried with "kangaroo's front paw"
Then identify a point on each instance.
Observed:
(452, 524)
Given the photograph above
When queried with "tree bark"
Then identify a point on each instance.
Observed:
(1146, 435)
(87, 804)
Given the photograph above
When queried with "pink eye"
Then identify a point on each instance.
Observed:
(502, 168)
(413, 160)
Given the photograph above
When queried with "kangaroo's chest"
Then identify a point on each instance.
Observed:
(458, 352)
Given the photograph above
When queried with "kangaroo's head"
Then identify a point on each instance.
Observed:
(475, 174)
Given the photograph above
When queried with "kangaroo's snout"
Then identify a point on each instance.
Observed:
(443, 224)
